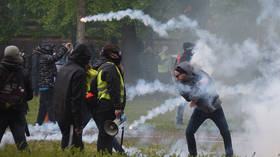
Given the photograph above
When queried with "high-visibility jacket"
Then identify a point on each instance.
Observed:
(102, 86)
(91, 74)
(163, 66)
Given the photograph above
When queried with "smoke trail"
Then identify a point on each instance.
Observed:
(142, 88)
(168, 105)
(181, 22)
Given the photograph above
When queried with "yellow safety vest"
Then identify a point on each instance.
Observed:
(102, 85)
(164, 63)
(91, 74)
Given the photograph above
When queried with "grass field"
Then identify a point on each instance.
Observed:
(155, 138)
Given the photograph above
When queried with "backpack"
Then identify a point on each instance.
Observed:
(12, 92)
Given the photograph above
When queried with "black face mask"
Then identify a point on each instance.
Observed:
(117, 61)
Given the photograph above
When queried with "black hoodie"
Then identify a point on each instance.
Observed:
(70, 88)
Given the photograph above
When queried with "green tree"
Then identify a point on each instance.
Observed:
(12, 18)
(54, 17)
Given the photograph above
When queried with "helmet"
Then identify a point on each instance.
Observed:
(12, 53)
(110, 48)
(188, 46)
(47, 47)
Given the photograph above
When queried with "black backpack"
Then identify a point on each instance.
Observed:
(12, 92)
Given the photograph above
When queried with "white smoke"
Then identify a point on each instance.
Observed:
(168, 105)
(249, 72)
(231, 59)
(245, 69)
(178, 149)
(142, 88)
(160, 28)
(51, 132)
(270, 9)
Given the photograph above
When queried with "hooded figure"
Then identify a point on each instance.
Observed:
(69, 97)
(197, 87)
(15, 91)
(47, 73)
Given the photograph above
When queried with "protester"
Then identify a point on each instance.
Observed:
(15, 91)
(148, 61)
(110, 94)
(47, 73)
(92, 97)
(197, 87)
(70, 97)
(186, 56)
(163, 67)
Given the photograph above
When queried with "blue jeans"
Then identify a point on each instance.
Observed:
(197, 118)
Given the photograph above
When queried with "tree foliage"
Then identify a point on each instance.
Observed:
(40, 18)
(12, 18)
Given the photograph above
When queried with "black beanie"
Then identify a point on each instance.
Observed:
(81, 54)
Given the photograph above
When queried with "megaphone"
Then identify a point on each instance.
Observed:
(112, 127)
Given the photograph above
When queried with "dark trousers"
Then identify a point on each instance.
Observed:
(104, 141)
(46, 106)
(76, 139)
(197, 118)
(117, 146)
(17, 123)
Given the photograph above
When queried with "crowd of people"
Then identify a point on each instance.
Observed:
(73, 89)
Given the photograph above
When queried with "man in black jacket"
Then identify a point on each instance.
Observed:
(70, 97)
(198, 88)
(15, 91)
(47, 74)
(110, 94)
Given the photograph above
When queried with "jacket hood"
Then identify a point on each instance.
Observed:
(186, 67)
(80, 55)
(11, 65)
(99, 62)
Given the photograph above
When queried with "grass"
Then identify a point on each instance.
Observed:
(33, 110)
(134, 109)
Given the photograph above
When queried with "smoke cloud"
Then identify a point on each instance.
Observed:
(248, 71)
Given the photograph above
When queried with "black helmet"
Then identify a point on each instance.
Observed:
(110, 48)
(47, 47)
(188, 46)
